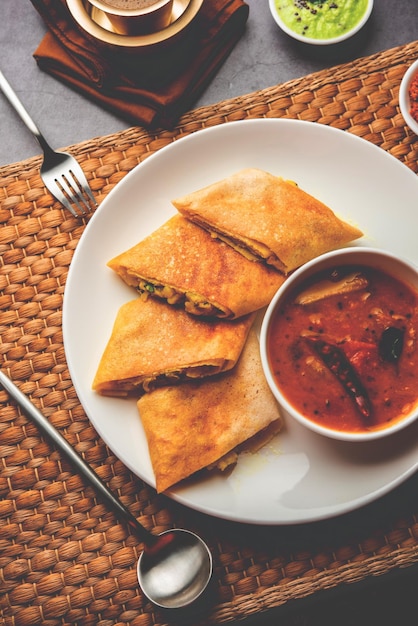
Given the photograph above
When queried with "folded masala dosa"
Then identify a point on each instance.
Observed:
(184, 265)
(192, 426)
(267, 218)
(152, 344)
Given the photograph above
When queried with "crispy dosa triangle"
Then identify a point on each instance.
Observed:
(183, 264)
(268, 218)
(152, 343)
(191, 426)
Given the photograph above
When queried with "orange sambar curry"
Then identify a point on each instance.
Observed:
(343, 349)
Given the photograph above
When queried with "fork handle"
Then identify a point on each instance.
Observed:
(21, 111)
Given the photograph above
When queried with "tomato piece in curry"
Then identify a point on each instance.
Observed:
(348, 359)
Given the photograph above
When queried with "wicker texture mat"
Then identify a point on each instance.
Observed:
(64, 557)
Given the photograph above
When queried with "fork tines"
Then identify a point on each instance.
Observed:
(71, 192)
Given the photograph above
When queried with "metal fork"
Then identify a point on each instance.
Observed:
(60, 172)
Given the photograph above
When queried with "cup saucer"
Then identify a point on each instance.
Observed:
(96, 23)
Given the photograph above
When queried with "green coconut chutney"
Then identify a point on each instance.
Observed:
(321, 19)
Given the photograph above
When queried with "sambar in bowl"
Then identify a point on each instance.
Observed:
(339, 344)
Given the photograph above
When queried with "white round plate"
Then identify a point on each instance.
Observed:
(300, 476)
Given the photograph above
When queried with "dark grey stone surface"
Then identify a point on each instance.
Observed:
(263, 57)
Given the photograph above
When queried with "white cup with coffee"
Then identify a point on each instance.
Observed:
(136, 17)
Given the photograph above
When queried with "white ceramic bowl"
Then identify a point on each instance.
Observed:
(404, 99)
(315, 41)
(371, 257)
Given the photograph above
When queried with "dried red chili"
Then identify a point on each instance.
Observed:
(336, 361)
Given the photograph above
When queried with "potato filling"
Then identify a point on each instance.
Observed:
(125, 387)
(192, 302)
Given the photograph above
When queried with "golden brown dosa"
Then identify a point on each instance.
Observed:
(193, 425)
(268, 218)
(181, 263)
(152, 343)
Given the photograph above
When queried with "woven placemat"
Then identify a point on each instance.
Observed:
(64, 557)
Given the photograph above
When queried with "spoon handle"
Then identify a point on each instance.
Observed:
(62, 444)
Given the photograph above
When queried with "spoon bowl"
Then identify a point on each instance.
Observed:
(174, 571)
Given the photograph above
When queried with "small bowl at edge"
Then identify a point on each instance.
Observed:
(404, 97)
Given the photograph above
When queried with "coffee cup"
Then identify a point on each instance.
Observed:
(136, 17)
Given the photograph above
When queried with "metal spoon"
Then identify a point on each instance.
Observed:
(175, 566)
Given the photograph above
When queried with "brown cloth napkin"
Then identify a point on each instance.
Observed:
(151, 89)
